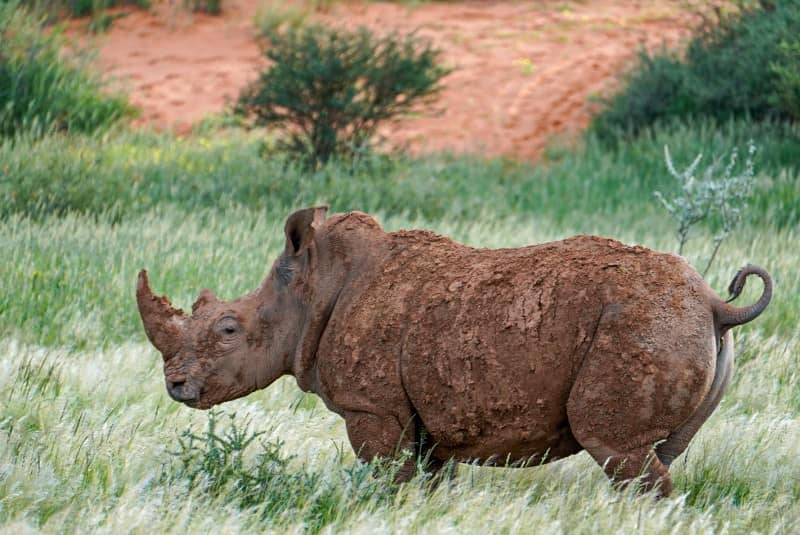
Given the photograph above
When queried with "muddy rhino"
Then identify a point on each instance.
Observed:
(427, 345)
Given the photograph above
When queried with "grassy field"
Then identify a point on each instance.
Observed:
(89, 439)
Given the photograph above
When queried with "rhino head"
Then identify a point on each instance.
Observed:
(227, 349)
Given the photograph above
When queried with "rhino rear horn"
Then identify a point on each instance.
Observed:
(163, 323)
(205, 299)
(300, 228)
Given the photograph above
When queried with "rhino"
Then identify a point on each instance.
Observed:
(428, 346)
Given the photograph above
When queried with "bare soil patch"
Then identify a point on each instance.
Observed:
(524, 70)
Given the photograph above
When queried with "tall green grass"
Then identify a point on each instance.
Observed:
(58, 9)
(88, 435)
(46, 83)
(69, 281)
(130, 173)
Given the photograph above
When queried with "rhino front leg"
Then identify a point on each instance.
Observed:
(373, 435)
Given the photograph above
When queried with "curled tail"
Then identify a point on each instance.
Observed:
(727, 315)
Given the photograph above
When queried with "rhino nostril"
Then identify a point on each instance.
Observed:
(176, 390)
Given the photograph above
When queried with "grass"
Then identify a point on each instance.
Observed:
(70, 280)
(86, 430)
(58, 9)
(131, 173)
(88, 435)
(41, 91)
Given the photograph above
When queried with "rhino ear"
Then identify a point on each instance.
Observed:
(300, 228)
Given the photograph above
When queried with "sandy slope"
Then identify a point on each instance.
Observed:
(523, 69)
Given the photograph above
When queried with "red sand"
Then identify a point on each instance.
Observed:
(523, 70)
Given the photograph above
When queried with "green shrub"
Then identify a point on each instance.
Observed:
(40, 90)
(737, 65)
(329, 89)
(787, 85)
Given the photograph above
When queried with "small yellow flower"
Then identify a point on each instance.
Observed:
(525, 65)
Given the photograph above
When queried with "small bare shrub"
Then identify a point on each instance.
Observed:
(700, 198)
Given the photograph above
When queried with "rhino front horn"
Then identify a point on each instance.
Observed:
(163, 323)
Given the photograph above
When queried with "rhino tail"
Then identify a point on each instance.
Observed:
(727, 315)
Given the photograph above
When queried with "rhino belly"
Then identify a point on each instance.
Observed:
(486, 390)
(477, 407)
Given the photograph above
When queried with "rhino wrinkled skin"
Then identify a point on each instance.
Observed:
(426, 345)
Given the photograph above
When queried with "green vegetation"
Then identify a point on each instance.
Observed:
(89, 437)
(131, 173)
(58, 9)
(42, 92)
(89, 441)
(216, 462)
(213, 7)
(742, 63)
(275, 15)
(787, 84)
(329, 89)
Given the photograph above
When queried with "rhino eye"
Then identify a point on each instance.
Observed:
(228, 326)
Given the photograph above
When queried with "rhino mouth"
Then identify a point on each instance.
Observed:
(183, 391)
(198, 404)
(198, 401)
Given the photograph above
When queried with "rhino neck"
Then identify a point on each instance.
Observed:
(348, 250)
(304, 365)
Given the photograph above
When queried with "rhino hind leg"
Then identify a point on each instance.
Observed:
(639, 464)
(626, 463)
(677, 442)
(638, 383)
(607, 428)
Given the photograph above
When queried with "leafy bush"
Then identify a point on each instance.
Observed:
(738, 65)
(330, 88)
(40, 90)
(787, 85)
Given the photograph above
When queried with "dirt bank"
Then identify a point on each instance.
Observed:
(523, 70)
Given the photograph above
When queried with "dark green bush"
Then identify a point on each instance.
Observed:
(40, 90)
(329, 89)
(739, 64)
(787, 86)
